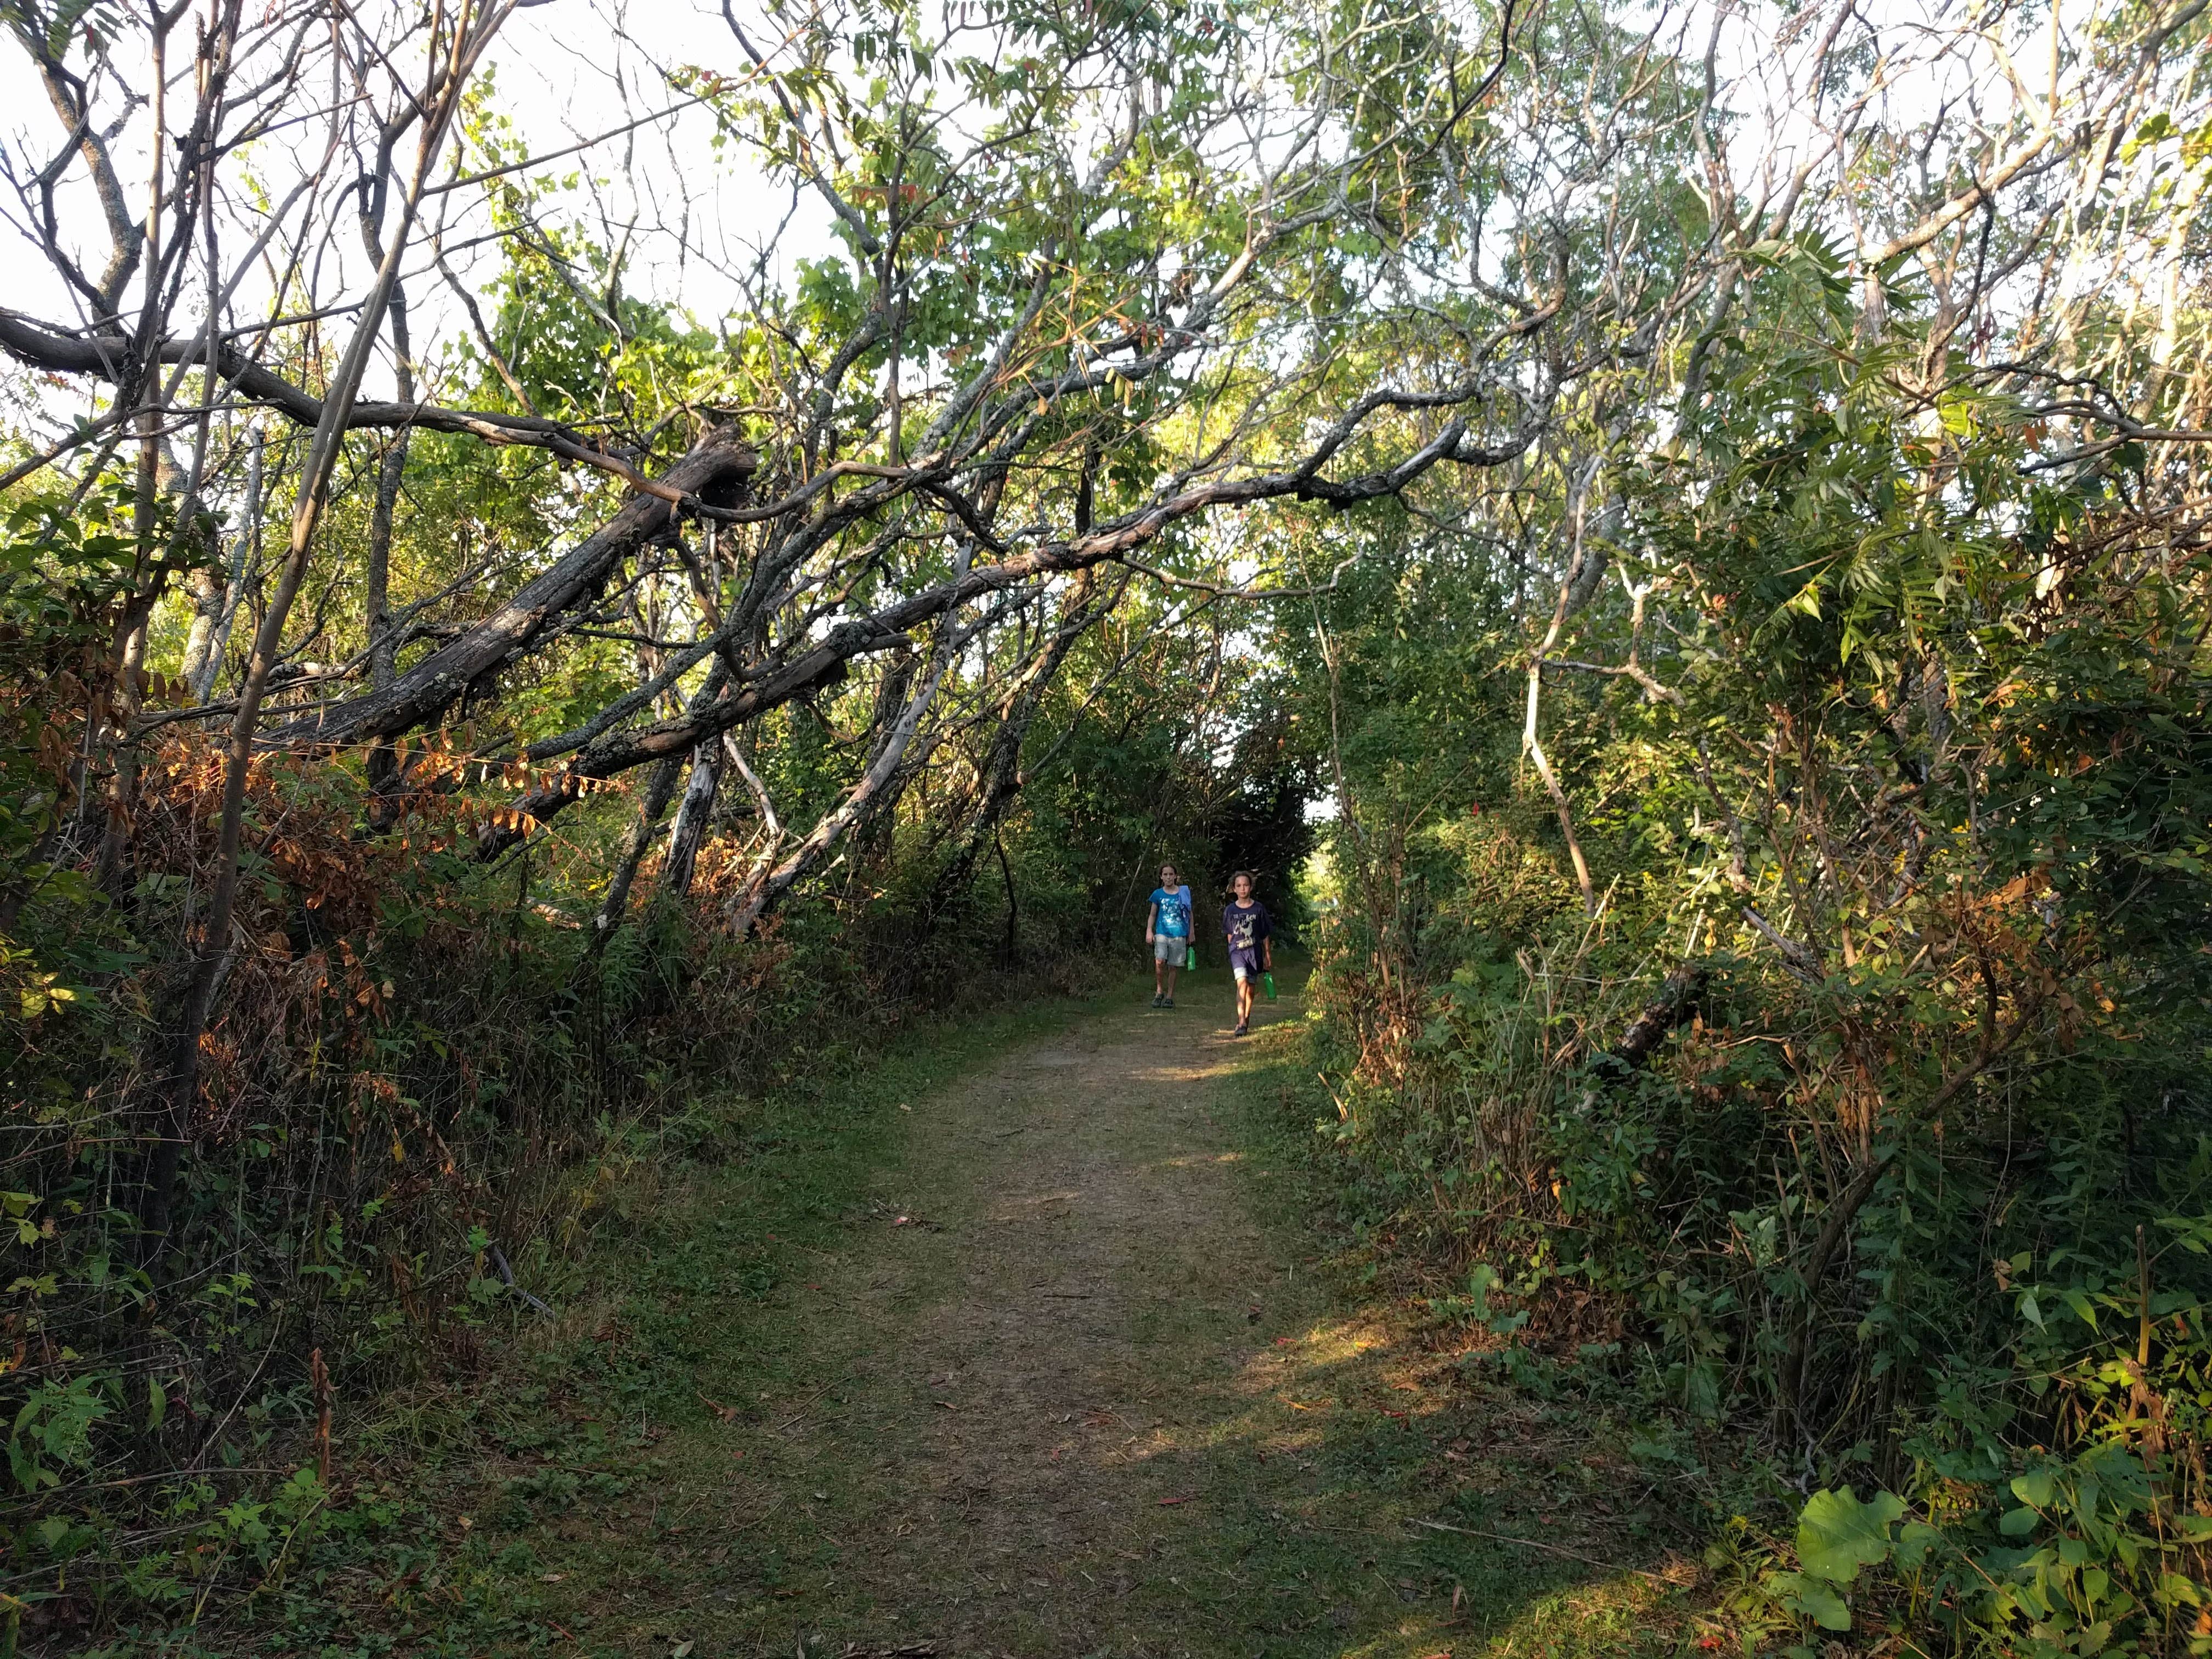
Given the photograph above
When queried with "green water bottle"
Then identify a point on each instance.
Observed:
(1190, 959)
(1268, 984)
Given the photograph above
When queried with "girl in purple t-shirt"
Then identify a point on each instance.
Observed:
(1246, 925)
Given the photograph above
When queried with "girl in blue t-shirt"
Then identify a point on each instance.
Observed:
(1167, 930)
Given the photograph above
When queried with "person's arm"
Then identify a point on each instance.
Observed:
(1152, 919)
(1266, 940)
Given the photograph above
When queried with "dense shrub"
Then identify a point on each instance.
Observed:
(1865, 1102)
(427, 1079)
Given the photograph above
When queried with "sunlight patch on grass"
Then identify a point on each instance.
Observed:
(1339, 1343)
(1622, 1613)
(1232, 1062)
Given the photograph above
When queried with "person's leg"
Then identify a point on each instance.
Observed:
(1172, 967)
(1160, 978)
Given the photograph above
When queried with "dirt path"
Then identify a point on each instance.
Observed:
(1060, 1391)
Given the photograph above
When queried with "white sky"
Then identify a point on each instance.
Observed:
(572, 69)
(565, 71)
(560, 82)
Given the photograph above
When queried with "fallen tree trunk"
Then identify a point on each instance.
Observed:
(769, 686)
(718, 463)
(713, 473)
(1676, 1005)
(41, 345)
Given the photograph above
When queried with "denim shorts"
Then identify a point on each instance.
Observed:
(1245, 965)
(1169, 948)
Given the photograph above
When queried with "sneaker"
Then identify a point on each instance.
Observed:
(1159, 1000)
(1167, 1002)
(1242, 1029)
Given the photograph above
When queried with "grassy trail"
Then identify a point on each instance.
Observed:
(1050, 1370)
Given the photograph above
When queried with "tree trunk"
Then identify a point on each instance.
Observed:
(768, 886)
(431, 686)
(244, 554)
(1001, 774)
(615, 906)
(693, 816)
(1006, 949)
(204, 584)
(178, 1088)
(657, 793)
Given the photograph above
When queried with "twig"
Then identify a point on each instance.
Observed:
(1549, 1549)
(506, 1272)
(800, 1414)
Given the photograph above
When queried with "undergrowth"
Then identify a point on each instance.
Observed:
(428, 1091)
(2001, 1450)
(414, 1534)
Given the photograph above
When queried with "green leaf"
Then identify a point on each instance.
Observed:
(2018, 1523)
(2177, 1589)
(1810, 1599)
(1914, 1540)
(1836, 1535)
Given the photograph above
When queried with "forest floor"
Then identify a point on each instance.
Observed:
(1057, 1368)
